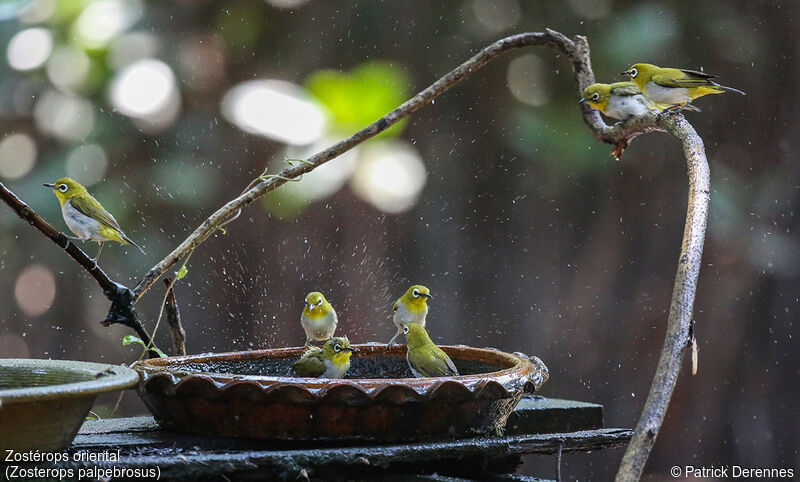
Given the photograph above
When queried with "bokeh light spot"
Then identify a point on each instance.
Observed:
(527, 79)
(17, 156)
(65, 116)
(87, 163)
(35, 290)
(145, 90)
(275, 109)
(29, 48)
(390, 176)
(103, 20)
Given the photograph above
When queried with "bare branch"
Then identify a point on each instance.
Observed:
(680, 310)
(174, 320)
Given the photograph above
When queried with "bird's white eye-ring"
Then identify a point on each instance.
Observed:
(405, 329)
(319, 301)
(63, 187)
(595, 96)
(633, 73)
(415, 293)
(337, 347)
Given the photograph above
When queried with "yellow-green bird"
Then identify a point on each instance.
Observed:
(425, 358)
(621, 100)
(332, 360)
(86, 217)
(674, 87)
(412, 307)
(319, 319)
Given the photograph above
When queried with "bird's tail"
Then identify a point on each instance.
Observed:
(728, 89)
(130, 241)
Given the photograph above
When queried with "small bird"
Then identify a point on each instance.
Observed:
(425, 358)
(332, 360)
(319, 319)
(86, 217)
(674, 87)
(621, 100)
(412, 307)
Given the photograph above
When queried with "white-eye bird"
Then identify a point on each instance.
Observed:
(86, 217)
(674, 87)
(425, 358)
(412, 307)
(319, 319)
(621, 100)
(331, 360)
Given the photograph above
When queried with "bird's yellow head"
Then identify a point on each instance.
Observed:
(641, 74)
(415, 299)
(316, 305)
(416, 336)
(597, 96)
(338, 350)
(66, 188)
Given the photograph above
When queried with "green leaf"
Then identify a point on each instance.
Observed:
(181, 273)
(129, 339)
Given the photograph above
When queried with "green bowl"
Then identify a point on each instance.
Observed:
(43, 403)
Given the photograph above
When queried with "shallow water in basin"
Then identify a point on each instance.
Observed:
(367, 367)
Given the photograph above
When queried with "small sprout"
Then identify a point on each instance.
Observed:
(129, 339)
(180, 274)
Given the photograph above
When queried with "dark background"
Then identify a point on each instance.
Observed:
(530, 235)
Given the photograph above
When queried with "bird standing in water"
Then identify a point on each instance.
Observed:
(425, 358)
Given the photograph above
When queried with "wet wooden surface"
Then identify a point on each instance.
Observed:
(141, 443)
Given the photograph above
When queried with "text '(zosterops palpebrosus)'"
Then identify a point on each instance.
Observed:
(331, 360)
(86, 217)
(319, 319)
(621, 100)
(412, 307)
(425, 358)
(674, 87)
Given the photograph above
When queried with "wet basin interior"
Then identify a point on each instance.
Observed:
(27, 377)
(368, 367)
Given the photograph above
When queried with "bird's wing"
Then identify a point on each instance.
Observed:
(89, 206)
(680, 78)
(310, 365)
(451, 367)
(625, 90)
(698, 74)
(432, 363)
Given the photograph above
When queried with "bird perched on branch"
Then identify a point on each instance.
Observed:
(319, 319)
(674, 87)
(412, 307)
(332, 360)
(621, 100)
(86, 217)
(425, 358)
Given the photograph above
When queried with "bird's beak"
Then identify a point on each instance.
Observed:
(627, 72)
(350, 349)
(426, 295)
(47, 184)
(583, 99)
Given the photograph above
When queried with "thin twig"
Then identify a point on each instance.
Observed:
(119, 295)
(174, 320)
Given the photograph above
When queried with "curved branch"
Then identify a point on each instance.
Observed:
(120, 295)
(680, 311)
(576, 50)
